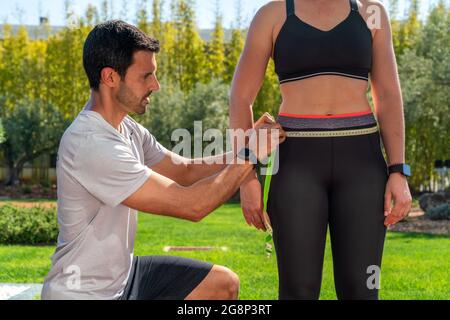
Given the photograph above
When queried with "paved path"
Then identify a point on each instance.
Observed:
(19, 291)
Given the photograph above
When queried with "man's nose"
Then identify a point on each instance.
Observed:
(155, 85)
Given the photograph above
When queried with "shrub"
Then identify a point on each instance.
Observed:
(441, 212)
(27, 189)
(36, 225)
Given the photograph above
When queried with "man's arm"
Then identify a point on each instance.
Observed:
(161, 195)
(186, 171)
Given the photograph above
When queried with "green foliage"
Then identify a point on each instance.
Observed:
(26, 189)
(50, 71)
(233, 52)
(216, 50)
(425, 78)
(415, 266)
(269, 97)
(209, 103)
(2, 132)
(164, 114)
(142, 16)
(32, 128)
(406, 33)
(65, 84)
(171, 109)
(36, 225)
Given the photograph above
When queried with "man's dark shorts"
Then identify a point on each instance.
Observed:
(164, 278)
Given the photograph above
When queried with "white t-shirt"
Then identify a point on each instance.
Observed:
(98, 167)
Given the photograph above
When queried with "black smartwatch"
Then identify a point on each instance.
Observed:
(403, 168)
(248, 155)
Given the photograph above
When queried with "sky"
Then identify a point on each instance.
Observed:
(29, 11)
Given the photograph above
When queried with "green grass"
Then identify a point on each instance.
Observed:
(415, 266)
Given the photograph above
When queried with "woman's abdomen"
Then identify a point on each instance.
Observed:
(324, 95)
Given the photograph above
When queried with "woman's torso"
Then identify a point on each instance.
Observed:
(324, 94)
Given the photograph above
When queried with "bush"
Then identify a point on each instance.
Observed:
(26, 189)
(441, 212)
(36, 225)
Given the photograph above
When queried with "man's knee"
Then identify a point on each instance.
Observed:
(226, 283)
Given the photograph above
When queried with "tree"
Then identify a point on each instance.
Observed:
(157, 29)
(425, 76)
(31, 129)
(142, 16)
(15, 55)
(408, 31)
(165, 113)
(269, 98)
(64, 79)
(216, 49)
(236, 45)
(2, 132)
(171, 109)
(92, 15)
(105, 10)
(189, 60)
(233, 54)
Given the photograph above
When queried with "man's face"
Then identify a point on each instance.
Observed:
(139, 83)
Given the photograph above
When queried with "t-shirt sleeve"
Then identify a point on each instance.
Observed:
(109, 170)
(154, 151)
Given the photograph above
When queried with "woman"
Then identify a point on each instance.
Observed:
(331, 168)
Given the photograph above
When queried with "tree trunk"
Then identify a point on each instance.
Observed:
(16, 169)
(13, 178)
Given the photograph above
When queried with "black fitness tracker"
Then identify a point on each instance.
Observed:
(403, 168)
(248, 155)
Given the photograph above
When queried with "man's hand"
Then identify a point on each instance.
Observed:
(266, 136)
(397, 190)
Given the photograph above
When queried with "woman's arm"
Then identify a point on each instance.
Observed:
(387, 97)
(247, 81)
(386, 92)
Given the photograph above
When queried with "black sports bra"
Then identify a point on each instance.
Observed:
(303, 51)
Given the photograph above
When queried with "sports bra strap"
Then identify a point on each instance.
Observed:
(290, 8)
(354, 5)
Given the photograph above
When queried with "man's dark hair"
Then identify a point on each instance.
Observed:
(112, 44)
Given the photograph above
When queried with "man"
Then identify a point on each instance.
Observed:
(104, 177)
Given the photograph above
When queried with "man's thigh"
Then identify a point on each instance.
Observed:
(164, 277)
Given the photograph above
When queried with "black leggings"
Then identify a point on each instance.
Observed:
(333, 173)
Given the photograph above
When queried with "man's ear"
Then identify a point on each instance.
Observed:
(109, 77)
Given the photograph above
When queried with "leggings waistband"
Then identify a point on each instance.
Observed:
(323, 126)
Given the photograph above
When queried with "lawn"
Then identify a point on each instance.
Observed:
(415, 266)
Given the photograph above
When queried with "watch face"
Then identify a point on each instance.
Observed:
(244, 153)
(406, 170)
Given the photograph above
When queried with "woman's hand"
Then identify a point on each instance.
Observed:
(397, 190)
(252, 202)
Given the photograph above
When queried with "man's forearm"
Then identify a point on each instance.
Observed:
(204, 167)
(392, 128)
(211, 192)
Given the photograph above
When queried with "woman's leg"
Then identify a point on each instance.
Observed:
(356, 215)
(298, 209)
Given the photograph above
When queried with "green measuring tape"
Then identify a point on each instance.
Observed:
(268, 179)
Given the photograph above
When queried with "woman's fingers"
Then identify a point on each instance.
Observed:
(247, 217)
(258, 223)
(398, 213)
